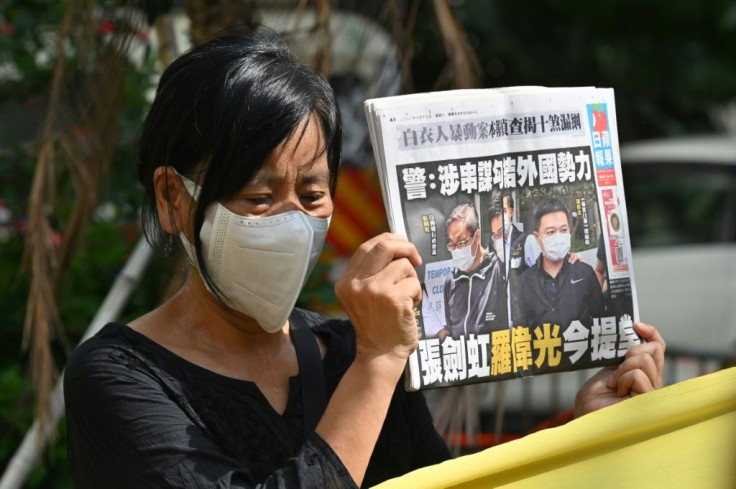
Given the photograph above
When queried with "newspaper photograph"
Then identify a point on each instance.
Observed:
(514, 199)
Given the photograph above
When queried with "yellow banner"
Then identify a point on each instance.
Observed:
(681, 436)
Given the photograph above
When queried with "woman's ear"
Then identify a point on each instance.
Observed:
(173, 202)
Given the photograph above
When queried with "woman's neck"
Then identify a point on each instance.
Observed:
(196, 326)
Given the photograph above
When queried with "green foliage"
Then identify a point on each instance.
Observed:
(26, 52)
(15, 420)
(22, 40)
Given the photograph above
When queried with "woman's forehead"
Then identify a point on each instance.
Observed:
(304, 152)
(304, 146)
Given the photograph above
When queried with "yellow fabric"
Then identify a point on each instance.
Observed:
(681, 436)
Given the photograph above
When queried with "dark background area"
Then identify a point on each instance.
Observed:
(670, 63)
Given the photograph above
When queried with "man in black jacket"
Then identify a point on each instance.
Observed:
(516, 249)
(521, 248)
(553, 290)
(475, 292)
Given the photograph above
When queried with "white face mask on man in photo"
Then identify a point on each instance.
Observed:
(498, 245)
(556, 246)
(463, 258)
(259, 264)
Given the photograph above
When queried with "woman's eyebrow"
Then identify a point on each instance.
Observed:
(318, 177)
(270, 179)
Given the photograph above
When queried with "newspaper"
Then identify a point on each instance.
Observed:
(514, 199)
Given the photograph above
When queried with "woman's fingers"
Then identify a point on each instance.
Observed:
(396, 271)
(644, 363)
(648, 358)
(632, 383)
(373, 255)
(653, 350)
(650, 334)
(410, 287)
(380, 290)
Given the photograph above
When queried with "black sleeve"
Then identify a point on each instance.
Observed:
(429, 447)
(125, 431)
(500, 300)
(521, 316)
(408, 439)
(600, 253)
(596, 294)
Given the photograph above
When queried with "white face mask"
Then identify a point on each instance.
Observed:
(506, 223)
(498, 246)
(463, 258)
(260, 264)
(556, 246)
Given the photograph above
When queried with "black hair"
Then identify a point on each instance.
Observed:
(495, 209)
(511, 200)
(220, 111)
(547, 206)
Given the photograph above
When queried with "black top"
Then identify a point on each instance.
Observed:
(515, 266)
(140, 416)
(574, 294)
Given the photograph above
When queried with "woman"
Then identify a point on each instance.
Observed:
(239, 158)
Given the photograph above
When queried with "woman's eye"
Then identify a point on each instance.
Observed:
(260, 200)
(313, 197)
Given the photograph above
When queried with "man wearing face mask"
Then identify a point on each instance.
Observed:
(554, 290)
(501, 230)
(521, 248)
(475, 292)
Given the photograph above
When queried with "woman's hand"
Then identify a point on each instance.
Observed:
(641, 371)
(379, 290)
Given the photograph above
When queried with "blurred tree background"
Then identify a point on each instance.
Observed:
(671, 65)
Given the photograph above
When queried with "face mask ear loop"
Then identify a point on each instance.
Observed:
(192, 188)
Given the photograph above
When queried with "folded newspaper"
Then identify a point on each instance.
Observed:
(514, 198)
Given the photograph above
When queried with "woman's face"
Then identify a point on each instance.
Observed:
(293, 178)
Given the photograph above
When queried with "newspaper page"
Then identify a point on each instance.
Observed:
(514, 199)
